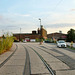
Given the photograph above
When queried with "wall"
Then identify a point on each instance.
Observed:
(44, 33)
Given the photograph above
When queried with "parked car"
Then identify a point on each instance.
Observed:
(61, 43)
(24, 41)
(47, 41)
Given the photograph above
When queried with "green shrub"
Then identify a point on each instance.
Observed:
(37, 40)
(6, 43)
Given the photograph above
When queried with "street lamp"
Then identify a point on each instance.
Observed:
(40, 22)
(40, 31)
(40, 27)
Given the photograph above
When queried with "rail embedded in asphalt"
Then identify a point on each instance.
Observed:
(27, 68)
(8, 58)
(45, 63)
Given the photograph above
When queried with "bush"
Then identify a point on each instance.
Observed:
(6, 43)
(37, 40)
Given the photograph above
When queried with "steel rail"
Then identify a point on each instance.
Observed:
(45, 63)
(27, 67)
(8, 58)
(57, 58)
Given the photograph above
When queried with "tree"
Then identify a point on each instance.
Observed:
(3, 36)
(71, 35)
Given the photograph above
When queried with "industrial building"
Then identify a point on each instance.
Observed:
(40, 33)
(57, 36)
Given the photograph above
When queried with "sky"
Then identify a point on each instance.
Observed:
(55, 15)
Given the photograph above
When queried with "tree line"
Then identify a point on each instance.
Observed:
(71, 35)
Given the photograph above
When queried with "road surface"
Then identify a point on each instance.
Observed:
(36, 59)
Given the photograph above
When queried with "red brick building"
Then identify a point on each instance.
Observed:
(32, 36)
(57, 36)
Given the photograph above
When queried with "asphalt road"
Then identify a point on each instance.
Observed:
(27, 60)
(15, 65)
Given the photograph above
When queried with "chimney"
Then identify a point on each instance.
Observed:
(38, 31)
(33, 32)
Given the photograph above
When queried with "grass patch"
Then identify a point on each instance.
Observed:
(71, 48)
(6, 43)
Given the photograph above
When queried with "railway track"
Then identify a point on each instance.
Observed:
(27, 68)
(59, 58)
(8, 57)
(65, 67)
(44, 62)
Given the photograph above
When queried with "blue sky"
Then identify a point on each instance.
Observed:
(55, 15)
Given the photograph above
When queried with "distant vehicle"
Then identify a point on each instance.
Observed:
(24, 41)
(32, 40)
(47, 41)
(16, 41)
(61, 43)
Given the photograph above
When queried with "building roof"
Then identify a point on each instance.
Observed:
(57, 33)
(0, 36)
(24, 34)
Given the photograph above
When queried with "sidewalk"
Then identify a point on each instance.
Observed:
(4, 56)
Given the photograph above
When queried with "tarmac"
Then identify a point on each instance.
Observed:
(38, 67)
(4, 56)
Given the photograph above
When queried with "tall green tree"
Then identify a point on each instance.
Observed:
(71, 35)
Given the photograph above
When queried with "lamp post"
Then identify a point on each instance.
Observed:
(40, 22)
(40, 32)
(40, 26)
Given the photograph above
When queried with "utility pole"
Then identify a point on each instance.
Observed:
(20, 30)
(20, 35)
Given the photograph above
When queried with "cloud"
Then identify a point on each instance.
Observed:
(72, 10)
(62, 25)
(1, 17)
(27, 15)
(22, 15)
